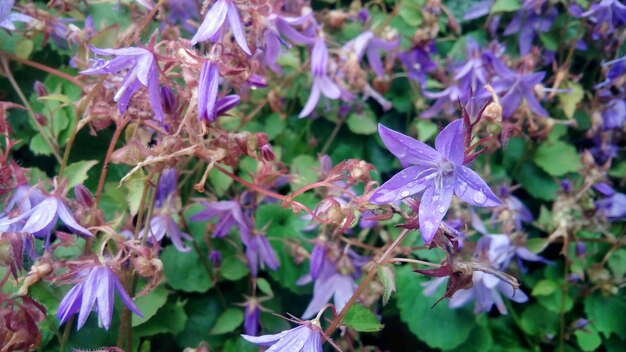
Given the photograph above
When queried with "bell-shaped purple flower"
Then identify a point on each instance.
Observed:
(487, 291)
(229, 214)
(277, 27)
(41, 219)
(24, 198)
(533, 18)
(251, 317)
(143, 70)
(163, 224)
(96, 286)
(322, 84)
(418, 62)
(7, 17)
(438, 173)
(612, 207)
(607, 15)
(214, 24)
(259, 252)
(304, 338)
(367, 44)
(167, 187)
(318, 256)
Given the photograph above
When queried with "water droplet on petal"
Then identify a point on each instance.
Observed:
(480, 198)
(442, 209)
(405, 193)
(411, 184)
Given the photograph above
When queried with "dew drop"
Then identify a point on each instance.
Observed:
(480, 198)
(405, 193)
(411, 184)
(442, 208)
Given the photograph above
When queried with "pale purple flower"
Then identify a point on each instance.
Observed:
(209, 105)
(166, 188)
(617, 69)
(143, 70)
(612, 207)
(214, 24)
(24, 198)
(229, 213)
(478, 10)
(487, 291)
(259, 252)
(438, 173)
(367, 44)
(472, 74)
(321, 82)
(304, 338)
(277, 25)
(318, 256)
(7, 17)
(447, 100)
(607, 15)
(533, 18)
(251, 318)
(337, 280)
(41, 219)
(614, 114)
(513, 207)
(97, 285)
(163, 224)
(183, 12)
(512, 87)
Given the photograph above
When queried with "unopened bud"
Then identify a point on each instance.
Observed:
(83, 196)
(336, 18)
(41, 119)
(493, 111)
(169, 100)
(216, 258)
(267, 152)
(40, 89)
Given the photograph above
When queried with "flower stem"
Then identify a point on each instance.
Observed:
(107, 158)
(45, 68)
(370, 275)
(66, 333)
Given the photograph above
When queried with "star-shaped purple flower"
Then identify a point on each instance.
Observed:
(529, 21)
(367, 44)
(321, 82)
(97, 285)
(438, 173)
(304, 338)
(143, 70)
(229, 214)
(7, 17)
(214, 24)
(606, 15)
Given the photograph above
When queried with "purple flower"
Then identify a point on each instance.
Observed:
(612, 207)
(277, 25)
(251, 318)
(7, 17)
(209, 105)
(472, 75)
(614, 114)
(216, 258)
(418, 62)
(336, 280)
(183, 12)
(318, 256)
(478, 10)
(514, 86)
(41, 218)
(167, 187)
(25, 197)
(487, 291)
(143, 70)
(163, 224)
(529, 21)
(367, 43)
(513, 208)
(214, 23)
(229, 214)
(607, 15)
(304, 338)
(321, 82)
(438, 173)
(259, 252)
(446, 100)
(97, 285)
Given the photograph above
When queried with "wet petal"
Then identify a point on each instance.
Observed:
(449, 142)
(407, 182)
(42, 216)
(433, 207)
(69, 221)
(407, 149)
(472, 189)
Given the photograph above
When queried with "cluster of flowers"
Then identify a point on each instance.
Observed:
(240, 46)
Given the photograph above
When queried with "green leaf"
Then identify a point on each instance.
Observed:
(554, 301)
(24, 48)
(426, 129)
(170, 318)
(505, 6)
(361, 319)
(184, 272)
(570, 100)
(76, 173)
(557, 158)
(617, 263)
(305, 168)
(544, 288)
(134, 190)
(618, 170)
(479, 340)
(220, 182)
(202, 312)
(536, 182)
(387, 277)
(149, 305)
(608, 314)
(537, 321)
(264, 286)
(39, 146)
(228, 321)
(233, 268)
(439, 326)
(363, 123)
(411, 12)
(588, 339)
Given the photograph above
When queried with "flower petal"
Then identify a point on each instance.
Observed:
(236, 27)
(407, 182)
(472, 189)
(267, 340)
(42, 216)
(128, 302)
(90, 286)
(213, 21)
(105, 297)
(311, 102)
(154, 93)
(433, 207)
(375, 61)
(69, 221)
(329, 88)
(71, 303)
(449, 142)
(407, 149)
(207, 91)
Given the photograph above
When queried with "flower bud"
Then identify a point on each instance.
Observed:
(83, 196)
(267, 152)
(40, 89)
(41, 119)
(169, 100)
(216, 258)
(336, 18)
